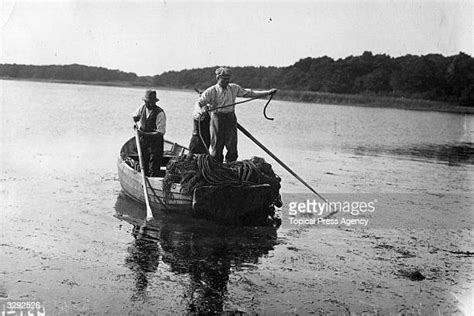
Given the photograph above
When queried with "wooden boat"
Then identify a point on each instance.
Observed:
(131, 180)
(231, 204)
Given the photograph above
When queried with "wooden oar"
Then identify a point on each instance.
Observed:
(149, 214)
(247, 133)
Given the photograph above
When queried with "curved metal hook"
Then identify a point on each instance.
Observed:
(265, 109)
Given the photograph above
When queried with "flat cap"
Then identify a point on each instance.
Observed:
(223, 71)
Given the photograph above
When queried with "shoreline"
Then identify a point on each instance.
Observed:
(303, 97)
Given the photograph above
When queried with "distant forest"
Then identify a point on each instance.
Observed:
(428, 77)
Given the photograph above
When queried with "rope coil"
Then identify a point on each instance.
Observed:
(204, 170)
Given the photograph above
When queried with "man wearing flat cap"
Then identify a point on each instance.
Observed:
(151, 120)
(223, 123)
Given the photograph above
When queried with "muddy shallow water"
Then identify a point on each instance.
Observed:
(70, 238)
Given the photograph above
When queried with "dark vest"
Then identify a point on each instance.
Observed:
(149, 124)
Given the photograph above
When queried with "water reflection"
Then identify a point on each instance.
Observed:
(143, 257)
(452, 154)
(205, 251)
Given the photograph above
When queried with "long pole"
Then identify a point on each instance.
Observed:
(259, 144)
(149, 214)
(235, 103)
(247, 133)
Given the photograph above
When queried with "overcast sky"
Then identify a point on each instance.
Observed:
(150, 37)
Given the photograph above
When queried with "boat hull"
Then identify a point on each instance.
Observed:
(131, 180)
(247, 204)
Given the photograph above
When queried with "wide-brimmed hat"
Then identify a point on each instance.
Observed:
(223, 72)
(150, 96)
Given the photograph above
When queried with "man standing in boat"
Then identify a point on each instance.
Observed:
(151, 120)
(223, 122)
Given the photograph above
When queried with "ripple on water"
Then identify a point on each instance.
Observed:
(454, 154)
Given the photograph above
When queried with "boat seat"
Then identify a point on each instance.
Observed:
(176, 150)
(164, 161)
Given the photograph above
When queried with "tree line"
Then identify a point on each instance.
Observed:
(72, 72)
(429, 77)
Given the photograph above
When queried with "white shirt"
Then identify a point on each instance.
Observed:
(216, 96)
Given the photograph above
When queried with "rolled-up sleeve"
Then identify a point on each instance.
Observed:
(248, 93)
(198, 112)
(206, 97)
(241, 92)
(136, 115)
(161, 122)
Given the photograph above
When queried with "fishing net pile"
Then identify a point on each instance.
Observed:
(203, 170)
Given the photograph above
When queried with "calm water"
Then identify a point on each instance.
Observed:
(59, 145)
(42, 112)
(49, 128)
